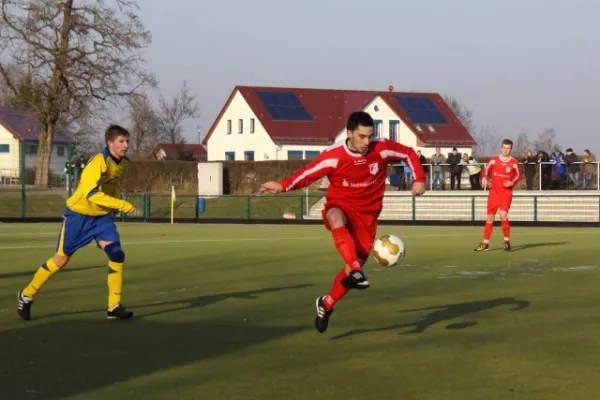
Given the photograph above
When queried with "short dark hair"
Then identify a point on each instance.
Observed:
(359, 118)
(507, 141)
(114, 131)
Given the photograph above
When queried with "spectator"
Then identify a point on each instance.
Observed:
(455, 169)
(408, 177)
(399, 170)
(560, 169)
(572, 162)
(425, 167)
(589, 167)
(474, 170)
(545, 169)
(529, 161)
(437, 161)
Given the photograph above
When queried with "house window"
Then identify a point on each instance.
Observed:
(4, 148)
(295, 154)
(431, 129)
(419, 128)
(311, 155)
(394, 130)
(377, 128)
(229, 127)
(31, 149)
(230, 155)
(251, 125)
(60, 151)
(241, 126)
(249, 155)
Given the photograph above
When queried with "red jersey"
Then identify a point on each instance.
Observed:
(502, 171)
(357, 179)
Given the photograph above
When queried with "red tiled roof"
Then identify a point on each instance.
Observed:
(196, 150)
(329, 109)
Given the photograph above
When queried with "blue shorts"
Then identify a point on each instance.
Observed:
(79, 230)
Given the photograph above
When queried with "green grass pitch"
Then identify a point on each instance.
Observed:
(227, 311)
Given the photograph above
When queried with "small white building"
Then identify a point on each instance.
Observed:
(268, 123)
(20, 128)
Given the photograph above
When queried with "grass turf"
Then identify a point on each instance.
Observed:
(226, 312)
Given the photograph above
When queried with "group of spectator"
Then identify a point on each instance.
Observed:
(557, 171)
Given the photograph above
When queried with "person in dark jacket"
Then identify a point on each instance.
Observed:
(545, 168)
(560, 168)
(572, 161)
(455, 168)
(530, 163)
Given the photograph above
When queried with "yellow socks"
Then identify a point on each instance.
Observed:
(40, 278)
(115, 283)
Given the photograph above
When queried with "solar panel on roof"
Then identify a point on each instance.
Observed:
(284, 106)
(421, 110)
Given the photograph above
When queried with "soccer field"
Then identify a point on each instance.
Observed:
(227, 312)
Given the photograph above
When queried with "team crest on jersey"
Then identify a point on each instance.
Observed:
(508, 169)
(373, 168)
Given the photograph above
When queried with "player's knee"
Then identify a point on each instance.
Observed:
(60, 260)
(336, 218)
(115, 252)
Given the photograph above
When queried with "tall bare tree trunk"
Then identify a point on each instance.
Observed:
(44, 156)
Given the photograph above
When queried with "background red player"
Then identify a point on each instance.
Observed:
(357, 171)
(505, 173)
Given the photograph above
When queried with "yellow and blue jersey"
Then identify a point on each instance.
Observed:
(99, 189)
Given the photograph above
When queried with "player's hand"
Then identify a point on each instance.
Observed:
(271, 187)
(508, 184)
(126, 207)
(484, 183)
(418, 188)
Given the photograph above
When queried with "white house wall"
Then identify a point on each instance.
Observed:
(220, 142)
(9, 162)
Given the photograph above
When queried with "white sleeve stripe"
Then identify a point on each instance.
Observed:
(328, 163)
(518, 173)
(391, 153)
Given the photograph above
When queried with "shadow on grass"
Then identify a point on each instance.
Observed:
(444, 313)
(63, 358)
(30, 274)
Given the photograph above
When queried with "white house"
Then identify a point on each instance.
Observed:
(268, 123)
(20, 128)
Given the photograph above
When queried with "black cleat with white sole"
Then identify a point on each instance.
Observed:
(322, 319)
(24, 304)
(356, 280)
(118, 312)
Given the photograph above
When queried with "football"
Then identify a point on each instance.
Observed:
(388, 250)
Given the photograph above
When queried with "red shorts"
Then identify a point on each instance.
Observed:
(362, 228)
(496, 203)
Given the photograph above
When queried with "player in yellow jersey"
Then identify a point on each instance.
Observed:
(89, 216)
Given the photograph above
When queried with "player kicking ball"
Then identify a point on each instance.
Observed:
(505, 173)
(356, 168)
(89, 216)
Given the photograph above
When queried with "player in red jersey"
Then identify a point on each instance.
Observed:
(356, 168)
(505, 173)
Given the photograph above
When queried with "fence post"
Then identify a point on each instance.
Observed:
(301, 206)
(70, 179)
(414, 208)
(23, 179)
(248, 207)
(473, 208)
(535, 208)
(146, 207)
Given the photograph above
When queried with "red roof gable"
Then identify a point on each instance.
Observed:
(329, 109)
(196, 150)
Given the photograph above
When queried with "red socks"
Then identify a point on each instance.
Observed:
(487, 232)
(506, 230)
(345, 245)
(337, 290)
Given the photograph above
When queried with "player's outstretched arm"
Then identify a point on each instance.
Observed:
(271, 187)
(322, 166)
(89, 186)
(489, 166)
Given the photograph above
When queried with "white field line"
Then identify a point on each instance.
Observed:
(283, 238)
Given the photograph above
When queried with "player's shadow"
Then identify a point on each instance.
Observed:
(182, 304)
(443, 313)
(535, 245)
(66, 269)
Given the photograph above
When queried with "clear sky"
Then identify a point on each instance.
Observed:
(517, 64)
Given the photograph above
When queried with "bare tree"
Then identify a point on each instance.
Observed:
(522, 143)
(174, 113)
(546, 141)
(464, 114)
(84, 53)
(144, 123)
(488, 140)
